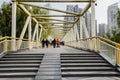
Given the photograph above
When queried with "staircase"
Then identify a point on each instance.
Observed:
(56, 66)
(20, 65)
(88, 64)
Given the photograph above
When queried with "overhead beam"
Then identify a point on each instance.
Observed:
(52, 0)
(52, 19)
(50, 9)
(60, 27)
(55, 23)
(38, 15)
(86, 9)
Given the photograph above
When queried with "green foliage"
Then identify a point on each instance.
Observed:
(5, 20)
(114, 34)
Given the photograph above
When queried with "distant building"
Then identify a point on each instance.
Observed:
(112, 16)
(102, 29)
(76, 9)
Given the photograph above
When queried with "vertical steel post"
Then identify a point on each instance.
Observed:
(13, 30)
(40, 33)
(81, 31)
(37, 43)
(29, 34)
(93, 27)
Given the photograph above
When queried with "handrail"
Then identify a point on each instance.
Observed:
(9, 37)
(108, 41)
(101, 38)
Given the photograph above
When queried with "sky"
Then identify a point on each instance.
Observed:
(100, 9)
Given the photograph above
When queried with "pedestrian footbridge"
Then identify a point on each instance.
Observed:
(85, 56)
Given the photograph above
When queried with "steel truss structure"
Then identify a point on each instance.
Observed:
(72, 30)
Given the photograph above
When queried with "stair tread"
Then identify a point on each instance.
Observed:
(18, 73)
(25, 54)
(2, 69)
(20, 58)
(19, 64)
(89, 73)
(21, 61)
(84, 63)
(87, 68)
(82, 60)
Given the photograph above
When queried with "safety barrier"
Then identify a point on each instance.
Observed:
(6, 44)
(107, 48)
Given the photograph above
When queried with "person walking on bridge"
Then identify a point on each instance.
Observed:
(47, 43)
(54, 43)
(43, 43)
(58, 43)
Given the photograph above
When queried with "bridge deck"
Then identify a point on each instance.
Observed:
(62, 63)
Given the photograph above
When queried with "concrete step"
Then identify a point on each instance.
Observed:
(10, 70)
(83, 61)
(18, 56)
(87, 68)
(21, 62)
(86, 53)
(18, 74)
(12, 59)
(85, 65)
(25, 54)
(81, 58)
(18, 65)
(90, 74)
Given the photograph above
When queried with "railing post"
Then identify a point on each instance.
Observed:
(99, 45)
(13, 43)
(118, 55)
(5, 45)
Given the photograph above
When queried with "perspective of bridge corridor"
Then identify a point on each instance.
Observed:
(62, 63)
(82, 54)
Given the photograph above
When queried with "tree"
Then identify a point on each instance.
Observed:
(115, 32)
(5, 20)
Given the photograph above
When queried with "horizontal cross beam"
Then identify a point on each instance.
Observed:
(37, 15)
(53, 0)
(55, 23)
(67, 12)
(52, 19)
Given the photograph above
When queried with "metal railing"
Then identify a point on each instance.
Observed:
(6, 44)
(108, 49)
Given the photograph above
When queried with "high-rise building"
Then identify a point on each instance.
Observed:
(87, 16)
(102, 29)
(88, 21)
(112, 16)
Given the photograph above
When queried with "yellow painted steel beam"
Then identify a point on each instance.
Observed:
(53, 0)
(38, 15)
(86, 9)
(50, 9)
(118, 55)
(55, 23)
(83, 12)
(5, 46)
(61, 27)
(52, 19)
